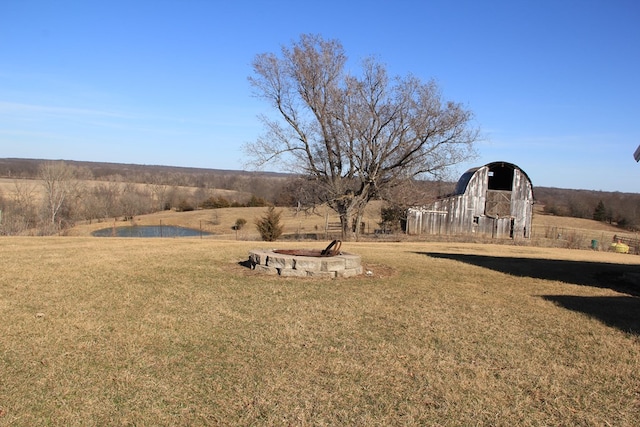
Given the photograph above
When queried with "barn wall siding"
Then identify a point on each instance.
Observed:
(479, 210)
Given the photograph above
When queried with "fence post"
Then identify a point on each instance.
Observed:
(326, 224)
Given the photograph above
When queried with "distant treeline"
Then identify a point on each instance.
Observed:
(621, 209)
(129, 190)
(47, 197)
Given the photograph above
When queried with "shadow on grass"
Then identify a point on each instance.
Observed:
(623, 278)
(622, 312)
(245, 263)
(619, 312)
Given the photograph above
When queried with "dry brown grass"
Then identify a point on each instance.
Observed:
(176, 332)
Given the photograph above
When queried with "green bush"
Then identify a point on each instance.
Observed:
(392, 218)
(269, 225)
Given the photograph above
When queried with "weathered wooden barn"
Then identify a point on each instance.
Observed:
(495, 200)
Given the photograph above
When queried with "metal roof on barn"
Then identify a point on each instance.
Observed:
(463, 182)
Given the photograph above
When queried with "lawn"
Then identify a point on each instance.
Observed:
(108, 331)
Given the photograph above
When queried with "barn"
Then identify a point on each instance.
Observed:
(495, 200)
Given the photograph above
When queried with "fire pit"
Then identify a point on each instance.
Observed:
(330, 262)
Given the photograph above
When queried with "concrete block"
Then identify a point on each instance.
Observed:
(308, 263)
(280, 261)
(351, 261)
(258, 256)
(266, 269)
(332, 264)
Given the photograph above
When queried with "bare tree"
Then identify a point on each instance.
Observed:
(355, 136)
(62, 184)
(18, 214)
(301, 194)
(24, 195)
(134, 200)
(103, 200)
(159, 193)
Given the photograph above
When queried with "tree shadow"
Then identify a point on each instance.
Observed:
(622, 312)
(623, 278)
(619, 312)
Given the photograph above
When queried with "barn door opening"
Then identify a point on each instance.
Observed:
(501, 177)
(500, 186)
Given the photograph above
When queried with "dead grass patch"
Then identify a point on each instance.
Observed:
(175, 332)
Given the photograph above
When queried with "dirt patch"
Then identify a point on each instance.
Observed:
(378, 271)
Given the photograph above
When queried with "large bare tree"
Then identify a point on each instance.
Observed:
(357, 136)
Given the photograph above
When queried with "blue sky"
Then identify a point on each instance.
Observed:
(554, 84)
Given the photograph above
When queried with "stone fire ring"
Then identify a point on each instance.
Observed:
(270, 261)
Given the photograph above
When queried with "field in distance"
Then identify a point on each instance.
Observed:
(548, 230)
(221, 222)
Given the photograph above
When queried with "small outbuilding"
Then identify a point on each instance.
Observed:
(495, 200)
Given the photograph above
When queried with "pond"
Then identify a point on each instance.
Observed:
(149, 231)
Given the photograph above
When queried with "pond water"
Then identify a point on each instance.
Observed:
(149, 231)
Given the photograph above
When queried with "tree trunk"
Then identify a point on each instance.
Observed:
(350, 214)
(345, 224)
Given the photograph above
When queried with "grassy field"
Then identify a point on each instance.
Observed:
(177, 332)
